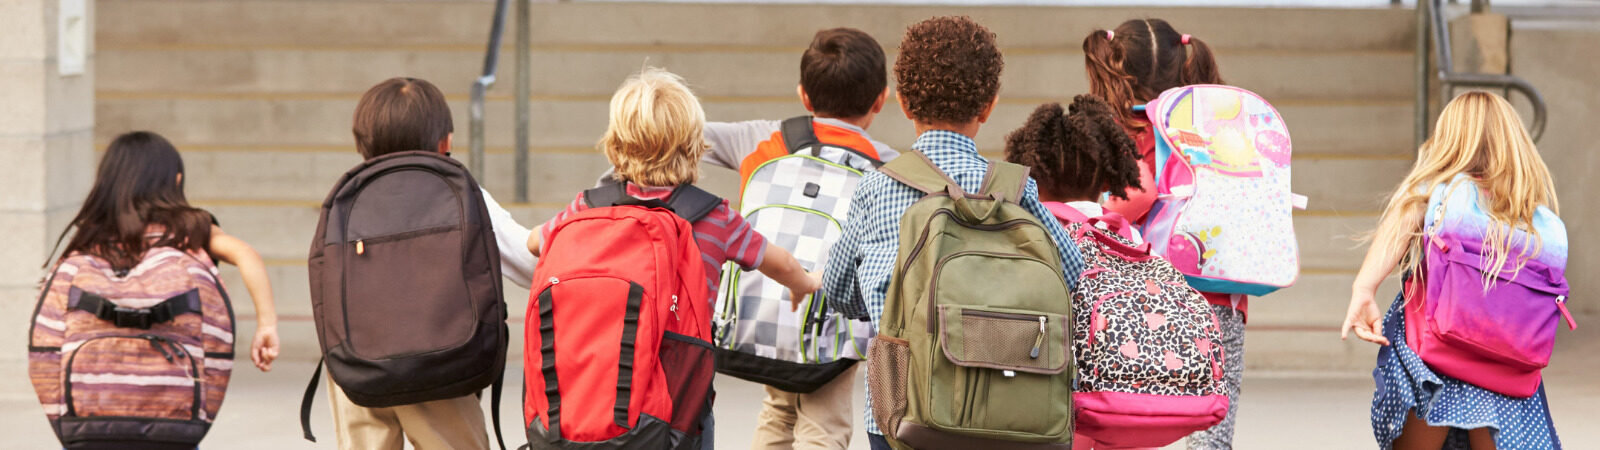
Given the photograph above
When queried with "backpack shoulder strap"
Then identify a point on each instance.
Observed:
(608, 193)
(1005, 180)
(915, 170)
(798, 133)
(692, 203)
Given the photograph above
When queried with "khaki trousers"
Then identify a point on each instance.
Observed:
(818, 420)
(449, 424)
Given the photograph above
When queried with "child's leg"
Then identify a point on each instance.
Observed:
(448, 424)
(824, 417)
(775, 426)
(1221, 435)
(1481, 438)
(362, 428)
(1417, 434)
(708, 432)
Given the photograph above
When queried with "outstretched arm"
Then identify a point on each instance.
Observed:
(264, 347)
(1388, 245)
(780, 266)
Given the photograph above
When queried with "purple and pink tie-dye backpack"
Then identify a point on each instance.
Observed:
(1146, 344)
(1496, 333)
(1223, 212)
(139, 359)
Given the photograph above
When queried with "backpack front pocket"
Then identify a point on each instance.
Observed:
(1003, 371)
(145, 376)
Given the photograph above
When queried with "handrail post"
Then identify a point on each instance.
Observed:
(1420, 117)
(480, 87)
(524, 88)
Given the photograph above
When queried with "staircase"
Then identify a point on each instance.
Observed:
(258, 95)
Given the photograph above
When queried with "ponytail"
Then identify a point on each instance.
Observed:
(1200, 67)
(1107, 79)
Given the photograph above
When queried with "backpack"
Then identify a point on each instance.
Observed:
(405, 241)
(1149, 363)
(618, 332)
(1497, 335)
(1223, 214)
(974, 344)
(137, 358)
(797, 193)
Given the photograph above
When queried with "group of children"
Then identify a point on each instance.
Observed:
(1093, 156)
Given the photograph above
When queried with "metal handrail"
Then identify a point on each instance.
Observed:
(491, 59)
(1449, 79)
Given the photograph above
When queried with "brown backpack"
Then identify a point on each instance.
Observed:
(134, 359)
(405, 285)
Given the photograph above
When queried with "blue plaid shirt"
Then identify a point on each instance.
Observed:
(856, 280)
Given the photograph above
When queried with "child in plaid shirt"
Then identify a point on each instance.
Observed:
(949, 80)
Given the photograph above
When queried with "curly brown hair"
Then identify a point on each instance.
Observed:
(1077, 154)
(948, 70)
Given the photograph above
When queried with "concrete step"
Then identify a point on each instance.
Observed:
(762, 73)
(465, 24)
(269, 122)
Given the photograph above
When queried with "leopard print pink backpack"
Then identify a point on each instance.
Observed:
(1149, 365)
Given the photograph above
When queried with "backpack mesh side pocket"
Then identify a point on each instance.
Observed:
(888, 369)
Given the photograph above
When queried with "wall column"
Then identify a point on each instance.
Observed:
(46, 153)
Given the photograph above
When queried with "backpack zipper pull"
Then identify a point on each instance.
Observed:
(361, 248)
(1038, 341)
(674, 307)
(156, 344)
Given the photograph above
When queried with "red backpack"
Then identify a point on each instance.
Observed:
(618, 332)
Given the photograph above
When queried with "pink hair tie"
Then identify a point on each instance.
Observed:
(1110, 35)
(1185, 39)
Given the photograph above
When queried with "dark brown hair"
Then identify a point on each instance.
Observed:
(948, 70)
(136, 191)
(1078, 154)
(1141, 58)
(401, 114)
(843, 72)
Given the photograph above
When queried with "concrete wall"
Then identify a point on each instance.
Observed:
(46, 138)
(1557, 57)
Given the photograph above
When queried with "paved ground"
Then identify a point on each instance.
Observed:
(1281, 411)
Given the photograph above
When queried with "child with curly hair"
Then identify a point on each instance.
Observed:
(1076, 155)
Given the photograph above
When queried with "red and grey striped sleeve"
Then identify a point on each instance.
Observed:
(544, 230)
(743, 245)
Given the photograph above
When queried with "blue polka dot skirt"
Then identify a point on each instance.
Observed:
(1405, 383)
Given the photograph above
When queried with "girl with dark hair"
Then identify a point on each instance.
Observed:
(137, 203)
(1132, 65)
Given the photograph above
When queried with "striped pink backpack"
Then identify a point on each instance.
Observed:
(1145, 343)
(139, 359)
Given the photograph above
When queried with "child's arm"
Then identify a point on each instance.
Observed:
(264, 347)
(1388, 245)
(534, 240)
(731, 142)
(780, 266)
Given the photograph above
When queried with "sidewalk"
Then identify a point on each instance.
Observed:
(1280, 411)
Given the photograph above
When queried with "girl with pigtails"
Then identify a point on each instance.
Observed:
(1131, 65)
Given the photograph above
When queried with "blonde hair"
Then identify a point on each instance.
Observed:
(656, 134)
(1479, 134)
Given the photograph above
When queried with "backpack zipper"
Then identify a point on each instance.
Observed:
(674, 307)
(1038, 342)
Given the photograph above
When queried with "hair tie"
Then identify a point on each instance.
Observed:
(1110, 35)
(1184, 40)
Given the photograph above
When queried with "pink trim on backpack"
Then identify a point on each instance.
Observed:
(1120, 420)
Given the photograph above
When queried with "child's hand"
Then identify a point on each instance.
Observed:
(264, 349)
(814, 282)
(1364, 319)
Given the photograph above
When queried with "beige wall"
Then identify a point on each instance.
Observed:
(1557, 57)
(46, 133)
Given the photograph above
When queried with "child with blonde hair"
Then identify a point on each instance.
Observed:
(1481, 162)
(655, 141)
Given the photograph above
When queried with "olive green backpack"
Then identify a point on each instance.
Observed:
(974, 346)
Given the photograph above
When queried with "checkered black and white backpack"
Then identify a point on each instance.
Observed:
(797, 190)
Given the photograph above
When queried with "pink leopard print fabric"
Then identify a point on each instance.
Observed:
(1140, 328)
